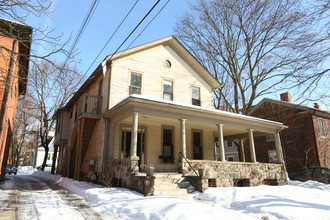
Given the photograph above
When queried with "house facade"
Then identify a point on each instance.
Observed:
(15, 40)
(153, 104)
(305, 143)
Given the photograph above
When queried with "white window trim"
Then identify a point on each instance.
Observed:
(162, 86)
(229, 156)
(200, 94)
(324, 131)
(130, 72)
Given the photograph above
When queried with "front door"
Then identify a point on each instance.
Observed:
(167, 146)
(197, 147)
(126, 143)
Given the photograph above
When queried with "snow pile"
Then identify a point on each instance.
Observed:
(311, 185)
(26, 170)
(309, 200)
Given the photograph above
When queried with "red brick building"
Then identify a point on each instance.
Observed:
(305, 143)
(15, 41)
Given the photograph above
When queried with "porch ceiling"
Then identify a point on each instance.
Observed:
(168, 113)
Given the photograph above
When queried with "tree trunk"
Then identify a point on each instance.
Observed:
(45, 158)
(54, 159)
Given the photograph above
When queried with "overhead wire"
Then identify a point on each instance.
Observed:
(144, 28)
(112, 36)
(135, 28)
(82, 28)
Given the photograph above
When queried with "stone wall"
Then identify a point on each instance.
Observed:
(224, 174)
(122, 173)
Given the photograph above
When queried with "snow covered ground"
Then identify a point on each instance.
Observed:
(309, 200)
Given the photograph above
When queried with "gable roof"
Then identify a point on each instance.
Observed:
(172, 42)
(314, 111)
(168, 41)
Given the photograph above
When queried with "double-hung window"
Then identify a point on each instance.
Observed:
(322, 129)
(196, 98)
(168, 90)
(135, 86)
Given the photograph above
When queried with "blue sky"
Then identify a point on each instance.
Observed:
(69, 15)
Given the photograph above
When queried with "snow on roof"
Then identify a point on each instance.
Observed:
(175, 103)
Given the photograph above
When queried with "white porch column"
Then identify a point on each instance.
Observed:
(221, 143)
(278, 147)
(242, 153)
(135, 122)
(252, 149)
(183, 136)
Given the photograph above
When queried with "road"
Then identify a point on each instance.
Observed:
(32, 197)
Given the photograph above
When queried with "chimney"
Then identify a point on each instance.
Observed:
(286, 97)
(317, 106)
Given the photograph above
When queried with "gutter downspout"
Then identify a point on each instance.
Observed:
(3, 108)
(107, 127)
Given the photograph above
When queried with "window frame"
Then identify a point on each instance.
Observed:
(171, 94)
(323, 133)
(193, 99)
(269, 158)
(230, 156)
(269, 137)
(131, 87)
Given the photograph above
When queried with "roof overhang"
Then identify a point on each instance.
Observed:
(238, 124)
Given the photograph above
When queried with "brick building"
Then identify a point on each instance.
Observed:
(15, 41)
(305, 142)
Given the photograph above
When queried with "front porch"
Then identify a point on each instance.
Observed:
(144, 131)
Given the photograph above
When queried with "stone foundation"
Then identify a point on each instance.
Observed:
(122, 173)
(225, 174)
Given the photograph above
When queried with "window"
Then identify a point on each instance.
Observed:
(322, 129)
(196, 100)
(230, 158)
(272, 156)
(168, 90)
(269, 137)
(229, 143)
(135, 87)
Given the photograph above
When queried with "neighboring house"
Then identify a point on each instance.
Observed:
(306, 143)
(41, 152)
(147, 104)
(15, 40)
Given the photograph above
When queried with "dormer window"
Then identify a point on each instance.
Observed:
(168, 90)
(196, 99)
(135, 86)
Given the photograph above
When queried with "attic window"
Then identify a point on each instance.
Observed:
(168, 64)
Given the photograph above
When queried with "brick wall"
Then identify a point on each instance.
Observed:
(296, 140)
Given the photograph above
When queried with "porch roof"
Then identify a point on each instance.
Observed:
(236, 125)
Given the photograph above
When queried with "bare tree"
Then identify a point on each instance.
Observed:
(49, 91)
(23, 139)
(255, 47)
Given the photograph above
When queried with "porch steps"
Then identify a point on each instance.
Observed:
(166, 184)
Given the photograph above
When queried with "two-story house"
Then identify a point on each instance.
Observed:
(153, 104)
(15, 42)
(305, 143)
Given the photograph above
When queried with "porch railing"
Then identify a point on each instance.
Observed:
(188, 163)
(90, 104)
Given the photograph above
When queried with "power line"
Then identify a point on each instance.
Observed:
(82, 28)
(135, 29)
(144, 28)
(111, 36)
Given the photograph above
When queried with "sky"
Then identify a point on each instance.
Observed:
(69, 16)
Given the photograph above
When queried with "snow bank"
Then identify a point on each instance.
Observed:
(25, 170)
(309, 200)
(311, 185)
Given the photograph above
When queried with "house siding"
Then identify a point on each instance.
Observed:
(150, 64)
(296, 141)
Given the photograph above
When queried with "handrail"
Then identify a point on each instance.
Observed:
(188, 163)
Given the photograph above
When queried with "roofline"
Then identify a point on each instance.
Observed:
(293, 105)
(96, 73)
(24, 48)
(194, 108)
(171, 40)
